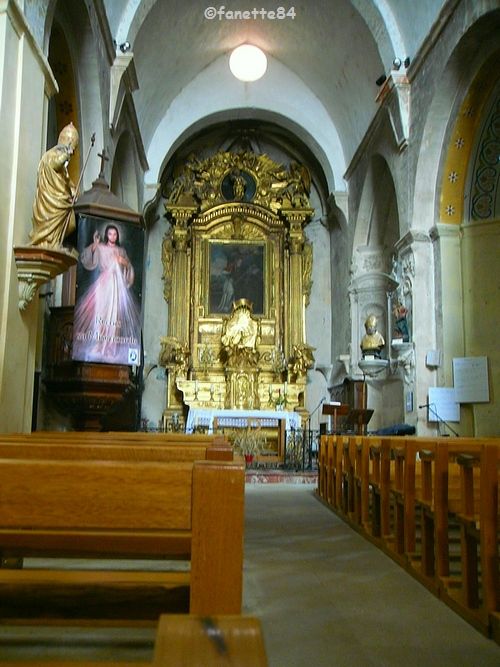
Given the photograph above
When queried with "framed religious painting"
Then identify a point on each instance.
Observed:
(237, 270)
(107, 320)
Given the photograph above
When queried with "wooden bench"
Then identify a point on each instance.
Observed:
(198, 641)
(126, 509)
(209, 642)
(118, 437)
(410, 496)
(327, 468)
(362, 481)
(106, 451)
(478, 516)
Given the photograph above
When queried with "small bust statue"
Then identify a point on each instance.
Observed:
(53, 215)
(373, 341)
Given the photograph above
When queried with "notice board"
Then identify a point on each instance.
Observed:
(443, 405)
(470, 379)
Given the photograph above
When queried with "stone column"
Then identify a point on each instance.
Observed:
(417, 248)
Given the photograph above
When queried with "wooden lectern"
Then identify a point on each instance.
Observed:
(359, 419)
(337, 410)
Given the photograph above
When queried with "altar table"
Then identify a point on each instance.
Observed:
(204, 417)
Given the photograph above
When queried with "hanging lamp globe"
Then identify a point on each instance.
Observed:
(248, 63)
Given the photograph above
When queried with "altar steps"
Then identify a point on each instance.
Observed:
(280, 476)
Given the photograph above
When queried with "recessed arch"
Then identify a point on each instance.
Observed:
(456, 177)
(123, 174)
(257, 135)
(73, 20)
(377, 225)
(465, 65)
(308, 120)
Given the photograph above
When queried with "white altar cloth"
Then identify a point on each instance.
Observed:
(204, 417)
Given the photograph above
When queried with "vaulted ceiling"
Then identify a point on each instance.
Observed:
(325, 59)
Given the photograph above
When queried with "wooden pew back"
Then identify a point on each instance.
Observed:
(129, 509)
(418, 490)
(105, 451)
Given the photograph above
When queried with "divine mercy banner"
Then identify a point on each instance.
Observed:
(107, 320)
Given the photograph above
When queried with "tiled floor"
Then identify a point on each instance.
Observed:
(325, 597)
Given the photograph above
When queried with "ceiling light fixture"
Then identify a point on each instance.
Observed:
(248, 62)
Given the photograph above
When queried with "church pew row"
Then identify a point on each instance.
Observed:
(427, 502)
(103, 449)
(118, 437)
(123, 509)
(198, 641)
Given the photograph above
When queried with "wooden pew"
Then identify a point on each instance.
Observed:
(362, 481)
(209, 642)
(198, 641)
(379, 482)
(328, 460)
(126, 509)
(322, 466)
(117, 437)
(478, 517)
(327, 468)
(106, 451)
(409, 494)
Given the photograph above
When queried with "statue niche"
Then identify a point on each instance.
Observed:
(240, 357)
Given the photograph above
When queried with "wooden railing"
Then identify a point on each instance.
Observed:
(432, 504)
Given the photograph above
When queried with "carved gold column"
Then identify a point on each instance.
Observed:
(178, 323)
(175, 352)
(295, 304)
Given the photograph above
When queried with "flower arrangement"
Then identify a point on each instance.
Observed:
(248, 441)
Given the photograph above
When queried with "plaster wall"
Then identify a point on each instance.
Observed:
(35, 12)
(339, 297)
(481, 310)
(318, 313)
(449, 300)
(384, 397)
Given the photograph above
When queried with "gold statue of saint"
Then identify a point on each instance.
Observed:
(53, 215)
(241, 330)
(373, 341)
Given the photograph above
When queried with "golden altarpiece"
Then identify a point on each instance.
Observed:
(237, 278)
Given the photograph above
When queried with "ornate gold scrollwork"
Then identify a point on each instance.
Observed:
(167, 258)
(307, 264)
(175, 355)
(301, 360)
(240, 177)
(237, 228)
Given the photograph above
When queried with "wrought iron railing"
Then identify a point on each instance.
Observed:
(301, 449)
